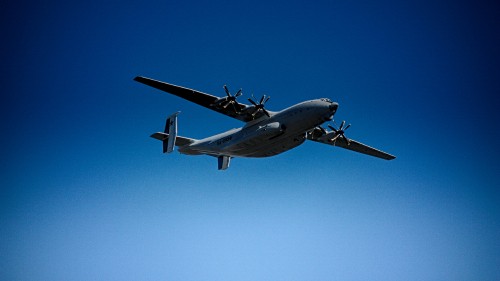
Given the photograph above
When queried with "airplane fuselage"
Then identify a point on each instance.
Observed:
(265, 133)
(266, 137)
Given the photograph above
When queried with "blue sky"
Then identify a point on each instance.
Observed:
(87, 195)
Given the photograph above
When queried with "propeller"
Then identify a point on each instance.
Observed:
(340, 132)
(229, 100)
(260, 105)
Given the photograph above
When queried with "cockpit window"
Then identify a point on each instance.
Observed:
(325, 99)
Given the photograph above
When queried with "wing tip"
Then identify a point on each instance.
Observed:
(160, 136)
(390, 157)
(139, 78)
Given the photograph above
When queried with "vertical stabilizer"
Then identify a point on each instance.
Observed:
(171, 130)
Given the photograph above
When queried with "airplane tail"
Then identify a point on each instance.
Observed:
(169, 136)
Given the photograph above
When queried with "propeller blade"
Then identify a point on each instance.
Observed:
(339, 132)
(347, 140)
(227, 91)
(265, 112)
(236, 104)
(341, 125)
(252, 102)
(239, 93)
(259, 106)
(235, 108)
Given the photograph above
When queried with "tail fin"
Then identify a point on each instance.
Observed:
(171, 130)
(169, 136)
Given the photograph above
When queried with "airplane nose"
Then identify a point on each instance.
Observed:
(333, 107)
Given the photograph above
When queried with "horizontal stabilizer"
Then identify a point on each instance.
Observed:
(179, 141)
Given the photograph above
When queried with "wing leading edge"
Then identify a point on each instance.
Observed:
(353, 145)
(200, 98)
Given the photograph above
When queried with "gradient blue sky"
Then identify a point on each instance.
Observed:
(87, 195)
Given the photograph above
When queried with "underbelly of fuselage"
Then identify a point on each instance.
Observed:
(250, 146)
(264, 144)
(266, 147)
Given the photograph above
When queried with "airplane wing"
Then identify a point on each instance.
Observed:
(203, 99)
(353, 145)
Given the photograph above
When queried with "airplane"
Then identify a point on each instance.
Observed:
(265, 133)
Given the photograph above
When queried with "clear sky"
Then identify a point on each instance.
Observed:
(86, 194)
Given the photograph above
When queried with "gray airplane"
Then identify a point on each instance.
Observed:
(265, 133)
